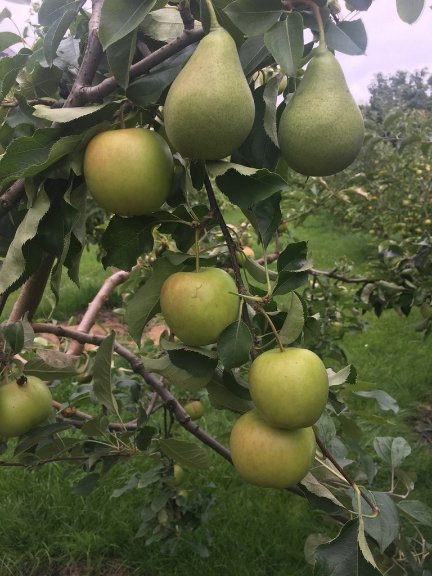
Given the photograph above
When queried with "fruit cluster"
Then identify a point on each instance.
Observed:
(274, 445)
(321, 130)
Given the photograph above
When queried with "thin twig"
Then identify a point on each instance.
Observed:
(354, 486)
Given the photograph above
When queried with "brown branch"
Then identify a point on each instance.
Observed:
(186, 15)
(95, 307)
(92, 56)
(172, 404)
(97, 93)
(347, 477)
(155, 384)
(328, 273)
(12, 197)
(32, 292)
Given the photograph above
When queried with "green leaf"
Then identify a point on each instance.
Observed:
(56, 32)
(163, 25)
(185, 453)
(348, 37)
(52, 10)
(234, 345)
(294, 258)
(417, 511)
(385, 401)
(258, 150)
(8, 39)
(5, 14)
(342, 555)
(102, 386)
(97, 426)
(314, 486)
(125, 239)
(392, 450)
(9, 70)
(294, 322)
(254, 17)
(120, 56)
(270, 96)
(120, 17)
(347, 375)
(149, 88)
(51, 365)
(14, 265)
(361, 5)
(197, 364)
(63, 115)
(248, 190)
(385, 527)
(253, 54)
(409, 10)
(225, 393)
(14, 336)
(325, 428)
(144, 304)
(181, 379)
(284, 41)
(86, 485)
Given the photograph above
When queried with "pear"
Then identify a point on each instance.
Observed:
(209, 110)
(321, 129)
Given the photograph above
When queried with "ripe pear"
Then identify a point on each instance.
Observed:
(209, 110)
(321, 129)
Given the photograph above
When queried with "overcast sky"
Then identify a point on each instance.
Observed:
(392, 44)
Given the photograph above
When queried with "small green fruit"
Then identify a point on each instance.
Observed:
(23, 406)
(195, 409)
(289, 388)
(270, 457)
(198, 306)
(129, 172)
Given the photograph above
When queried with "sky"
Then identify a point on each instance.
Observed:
(392, 44)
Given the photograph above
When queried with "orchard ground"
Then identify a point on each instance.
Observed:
(48, 530)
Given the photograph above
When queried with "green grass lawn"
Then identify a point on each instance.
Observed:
(46, 529)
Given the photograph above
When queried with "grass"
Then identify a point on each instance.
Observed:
(46, 529)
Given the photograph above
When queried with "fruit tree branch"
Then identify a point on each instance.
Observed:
(155, 384)
(11, 197)
(354, 486)
(92, 56)
(32, 292)
(95, 307)
(98, 92)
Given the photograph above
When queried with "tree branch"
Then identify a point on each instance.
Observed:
(97, 93)
(95, 307)
(12, 197)
(91, 58)
(32, 292)
(155, 384)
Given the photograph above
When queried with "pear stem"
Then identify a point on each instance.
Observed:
(214, 24)
(197, 259)
(261, 310)
(316, 11)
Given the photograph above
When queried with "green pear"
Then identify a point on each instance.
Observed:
(209, 110)
(321, 129)
(270, 457)
(198, 306)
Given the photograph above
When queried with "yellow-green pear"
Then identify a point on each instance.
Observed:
(270, 457)
(321, 129)
(209, 110)
(198, 306)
